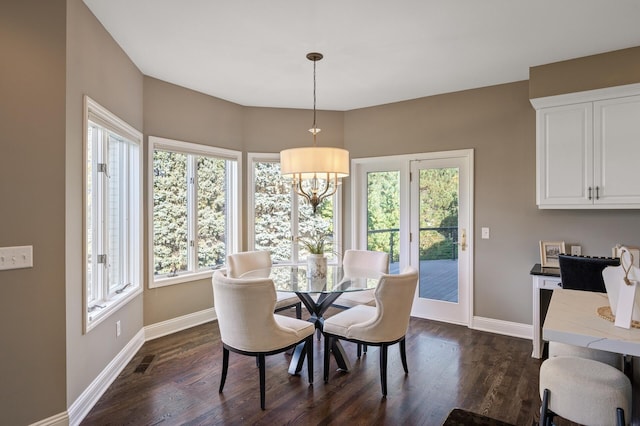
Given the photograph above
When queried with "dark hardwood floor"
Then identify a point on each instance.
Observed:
(449, 366)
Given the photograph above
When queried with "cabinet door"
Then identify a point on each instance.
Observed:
(565, 155)
(617, 152)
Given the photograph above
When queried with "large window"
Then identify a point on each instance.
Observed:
(277, 215)
(194, 209)
(113, 213)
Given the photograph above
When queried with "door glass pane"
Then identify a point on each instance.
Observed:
(383, 215)
(170, 231)
(212, 212)
(438, 247)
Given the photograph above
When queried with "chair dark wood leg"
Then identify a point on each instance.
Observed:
(359, 350)
(403, 356)
(262, 367)
(364, 348)
(309, 345)
(383, 369)
(545, 417)
(299, 310)
(620, 417)
(327, 350)
(225, 367)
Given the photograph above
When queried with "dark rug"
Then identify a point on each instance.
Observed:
(460, 417)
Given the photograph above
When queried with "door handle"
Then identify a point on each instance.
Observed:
(463, 239)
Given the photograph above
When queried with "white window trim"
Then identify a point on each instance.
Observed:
(235, 186)
(337, 208)
(100, 115)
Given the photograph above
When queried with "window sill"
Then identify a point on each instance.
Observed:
(184, 278)
(96, 317)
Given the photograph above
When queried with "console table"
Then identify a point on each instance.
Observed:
(543, 279)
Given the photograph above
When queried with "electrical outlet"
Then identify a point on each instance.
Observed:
(16, 257)
(118, 328)
(576, 250)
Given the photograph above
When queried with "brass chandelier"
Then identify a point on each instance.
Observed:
(315, 171)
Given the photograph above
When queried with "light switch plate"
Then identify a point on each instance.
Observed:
(485, 233)
(16, 257)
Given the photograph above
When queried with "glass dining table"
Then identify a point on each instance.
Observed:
(317, 295)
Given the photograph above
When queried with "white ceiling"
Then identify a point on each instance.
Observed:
(253, 52)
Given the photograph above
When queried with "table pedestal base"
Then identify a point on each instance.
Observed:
(299, 353)
(317, 308)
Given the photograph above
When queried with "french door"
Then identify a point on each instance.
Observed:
(440, 238)
(418, 208)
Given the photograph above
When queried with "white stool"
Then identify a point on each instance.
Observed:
(564, 349)
(583, 391)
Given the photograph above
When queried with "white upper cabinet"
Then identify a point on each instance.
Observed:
(565, 155)
(588, 153)
(616, 151)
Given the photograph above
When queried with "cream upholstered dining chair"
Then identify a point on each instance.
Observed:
(240, 263)
(382, 325)
(355, 261)
(249, 326)
(584, 391)
(376, 261)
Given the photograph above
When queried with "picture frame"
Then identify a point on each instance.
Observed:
(549, 251)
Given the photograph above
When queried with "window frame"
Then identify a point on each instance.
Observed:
(252, 158)
(110, 300)
(234, 183)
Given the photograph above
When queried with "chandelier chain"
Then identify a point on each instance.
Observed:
(314, 103)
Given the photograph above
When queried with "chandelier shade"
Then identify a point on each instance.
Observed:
(305, 162)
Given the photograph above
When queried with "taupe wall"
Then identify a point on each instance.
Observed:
(32, 209)
(177, 113)
(499, 124)
(275, 129)
(615, 68)
(96, 66)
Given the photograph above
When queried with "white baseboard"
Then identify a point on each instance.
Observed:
(61, 419)
(173, 325)
(85, 402)
(514, 329)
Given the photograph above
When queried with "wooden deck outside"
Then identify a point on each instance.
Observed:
(438, 279)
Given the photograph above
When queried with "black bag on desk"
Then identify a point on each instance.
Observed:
(584, 272)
